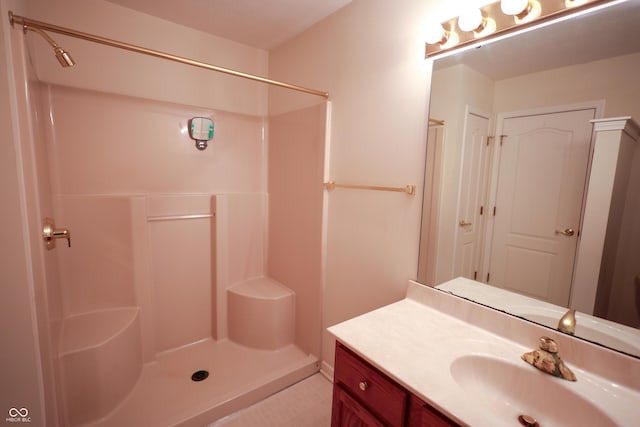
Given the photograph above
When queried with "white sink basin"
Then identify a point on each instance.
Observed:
(516, 388)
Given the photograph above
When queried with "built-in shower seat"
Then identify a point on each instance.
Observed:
(261, 313)
(101, 360)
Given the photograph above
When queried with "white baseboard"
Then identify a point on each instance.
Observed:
(327, 371)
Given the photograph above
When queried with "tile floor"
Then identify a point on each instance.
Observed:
(304, 404)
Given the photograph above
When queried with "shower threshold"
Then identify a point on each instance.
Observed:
(165, 394)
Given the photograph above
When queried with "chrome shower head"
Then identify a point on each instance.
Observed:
(64, 58)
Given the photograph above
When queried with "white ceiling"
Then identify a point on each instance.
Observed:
(259, 23)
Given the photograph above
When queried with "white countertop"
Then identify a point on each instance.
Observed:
(415, 343)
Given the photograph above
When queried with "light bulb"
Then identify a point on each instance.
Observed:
(514, 7)
(472, 20)
(452, 39)
(488, 27)
(531, 12)
(435, 34)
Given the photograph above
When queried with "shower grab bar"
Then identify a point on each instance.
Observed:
(179, 217)
(408, 189)
(26, 22)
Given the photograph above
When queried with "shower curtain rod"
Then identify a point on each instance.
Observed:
(26, 22)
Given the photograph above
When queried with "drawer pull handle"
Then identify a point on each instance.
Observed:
(363, 385)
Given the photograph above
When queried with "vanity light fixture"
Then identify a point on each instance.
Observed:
(517, 8)
(500, 18)
(531, 12)
(435, 34)
(472, 20)
(475, 22)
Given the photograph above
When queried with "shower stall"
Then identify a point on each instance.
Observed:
(186, 283)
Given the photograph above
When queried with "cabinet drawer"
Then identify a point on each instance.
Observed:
(370, 387)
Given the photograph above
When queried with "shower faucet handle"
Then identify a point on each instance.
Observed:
(50, 233)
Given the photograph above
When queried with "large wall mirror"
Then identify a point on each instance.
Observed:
(512, 148)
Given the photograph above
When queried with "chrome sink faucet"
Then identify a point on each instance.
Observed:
(548, 360)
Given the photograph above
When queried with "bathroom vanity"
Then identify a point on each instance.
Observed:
(433, 359)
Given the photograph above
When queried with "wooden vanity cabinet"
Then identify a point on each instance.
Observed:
(371, 393)
(422, 414)
(347, 412)
(365, 397)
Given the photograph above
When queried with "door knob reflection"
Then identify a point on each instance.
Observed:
(567, 232)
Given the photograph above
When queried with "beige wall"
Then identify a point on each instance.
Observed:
(370, 57)
(108, 69)
(615, 80)
(296, 148)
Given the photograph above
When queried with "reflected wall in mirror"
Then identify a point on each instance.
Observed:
(511, 168)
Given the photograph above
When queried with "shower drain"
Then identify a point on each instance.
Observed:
(199, 375)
